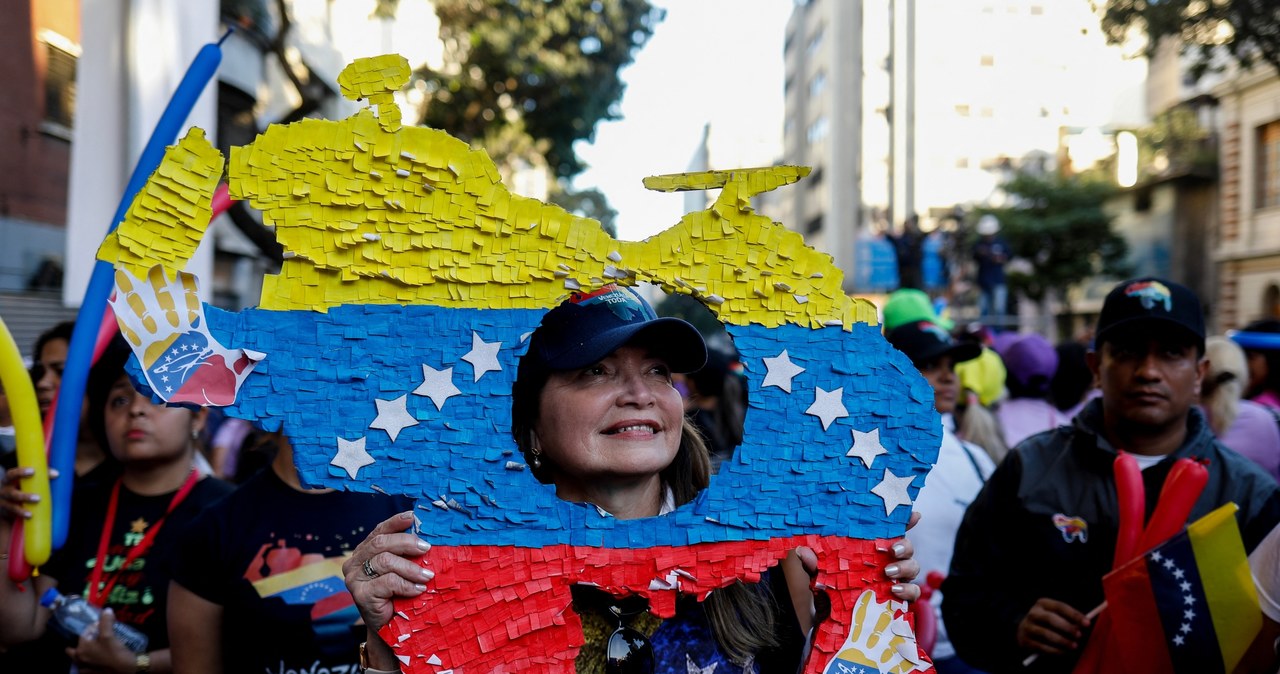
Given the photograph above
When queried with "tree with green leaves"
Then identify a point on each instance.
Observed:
(1248, 31)
(589, 204)
(550, 67)
(1056, 223)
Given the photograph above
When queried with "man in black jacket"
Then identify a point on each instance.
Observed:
(1033, 547)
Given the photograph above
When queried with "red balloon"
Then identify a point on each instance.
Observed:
(1181, 489)
(1132, 499)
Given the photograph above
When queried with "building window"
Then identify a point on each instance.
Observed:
(817, 131)
(59, 82)
(988, 60)
(1269, 165)
(817, 84)
(814, 42)
(1271, 301)
(962, 109)
(813, 226)
(987, 111)
(1037, 10)
(962, 162)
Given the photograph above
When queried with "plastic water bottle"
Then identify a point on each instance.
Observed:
(73, 615)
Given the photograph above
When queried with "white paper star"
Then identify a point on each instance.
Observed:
(351, 456)
(779, 371)
(393, 416)
(437, 385)
(692, 667)
(866, 446)
(827, 406)
(483, 356)
(893, 490)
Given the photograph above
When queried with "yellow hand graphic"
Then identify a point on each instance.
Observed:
(164, 322)
(878, 639)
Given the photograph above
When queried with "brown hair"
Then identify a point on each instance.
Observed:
(741, 615)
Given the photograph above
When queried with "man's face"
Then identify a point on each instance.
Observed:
(1149, 377)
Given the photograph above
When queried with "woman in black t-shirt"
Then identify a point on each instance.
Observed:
(122, 535)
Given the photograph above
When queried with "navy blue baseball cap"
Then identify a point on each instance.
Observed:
(923, 341)
(1148, 303)
(591, 325)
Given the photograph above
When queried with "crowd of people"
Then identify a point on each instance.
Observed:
(195, 529)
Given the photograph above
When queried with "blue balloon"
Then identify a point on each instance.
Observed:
(66, 427)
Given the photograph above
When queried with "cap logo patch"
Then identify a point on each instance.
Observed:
(620, 302)
(1150, 293)
(1073, 527)
(934, 330)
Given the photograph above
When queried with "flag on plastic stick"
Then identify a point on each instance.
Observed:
(1189, 605)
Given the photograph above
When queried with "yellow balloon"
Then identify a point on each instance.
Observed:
(29, 433)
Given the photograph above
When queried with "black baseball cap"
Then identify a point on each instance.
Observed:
(591, 325)
(923, 341)
(1150, 300)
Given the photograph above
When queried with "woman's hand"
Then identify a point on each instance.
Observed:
(382, 568)
(100, 652)
(906, 568)
(903, 570)
(13, 503)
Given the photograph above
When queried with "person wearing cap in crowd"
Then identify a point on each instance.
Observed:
(1052, 503)
(982, 376)
(596, 416)
(1031, 362)
(991, 253)
(961, 468)
(1261, 343)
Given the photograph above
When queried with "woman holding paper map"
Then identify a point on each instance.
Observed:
(596, 416)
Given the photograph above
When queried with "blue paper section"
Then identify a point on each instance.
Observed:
(323, 372)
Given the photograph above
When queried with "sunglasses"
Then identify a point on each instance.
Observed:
(628, 650)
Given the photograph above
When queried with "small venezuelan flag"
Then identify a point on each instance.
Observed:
(1187, 606)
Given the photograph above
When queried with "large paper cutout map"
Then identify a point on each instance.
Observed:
(387, 347)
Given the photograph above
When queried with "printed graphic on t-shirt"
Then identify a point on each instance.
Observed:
(132, 597)
(284, 573)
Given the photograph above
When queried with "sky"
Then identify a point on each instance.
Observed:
(709, 61)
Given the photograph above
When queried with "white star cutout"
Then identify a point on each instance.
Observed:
(1185, 628)
(866, 446)
(1178, 573)
(393, 416)
(692, 668)
(1178, 640)
(1188, 600)
(893, 490)
(1168, 563)
(827, 406)
(437, 385)
(1157, 557)
(1189, 614)
(779, 371)
(351, 456)
(1185, 586)
(483, 356)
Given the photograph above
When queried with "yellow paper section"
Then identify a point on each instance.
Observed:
(371, 212)
(168, 217)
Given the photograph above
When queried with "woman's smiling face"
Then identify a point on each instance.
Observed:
(619, 419)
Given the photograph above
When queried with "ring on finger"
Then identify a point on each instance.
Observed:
(368, 569)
